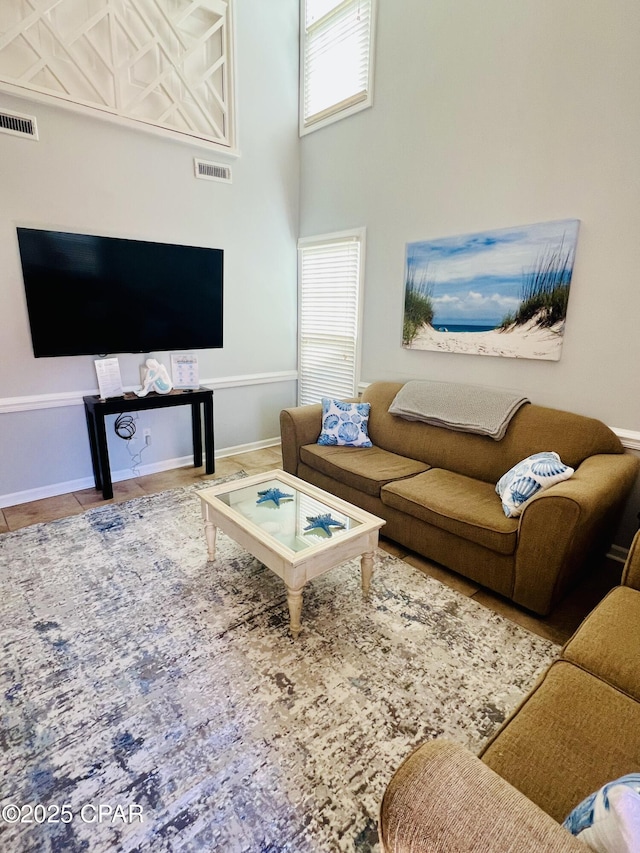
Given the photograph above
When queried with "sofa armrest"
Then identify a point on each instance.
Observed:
(631, 572)
(299, 425)
(561, 528)
(442, 799)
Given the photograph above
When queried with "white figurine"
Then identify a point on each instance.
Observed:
(156, 379)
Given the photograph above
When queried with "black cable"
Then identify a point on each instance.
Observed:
(125, 427)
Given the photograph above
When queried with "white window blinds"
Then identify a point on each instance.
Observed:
(330, 275)
(336, 61)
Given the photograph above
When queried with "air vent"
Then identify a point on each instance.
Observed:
(212, 171)
(18, 125)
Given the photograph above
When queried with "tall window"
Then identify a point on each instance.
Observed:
(336, 60)
(330, 275)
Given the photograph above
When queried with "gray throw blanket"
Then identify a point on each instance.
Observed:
(456, 406)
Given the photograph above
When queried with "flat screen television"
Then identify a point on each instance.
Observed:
(89, 295)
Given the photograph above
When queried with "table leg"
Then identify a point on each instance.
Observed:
(210, 465)
(294, 602)
(103, 457)
(93, 447)
(366, 571)
(210, 531)
(196, 431)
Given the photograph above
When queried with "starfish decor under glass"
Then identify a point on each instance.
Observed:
(274, 495)
(322, 522)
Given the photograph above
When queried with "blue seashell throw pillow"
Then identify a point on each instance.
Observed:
(345, 424)
(528, 478)
(608, 821)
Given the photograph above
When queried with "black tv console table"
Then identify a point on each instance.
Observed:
(96, 409)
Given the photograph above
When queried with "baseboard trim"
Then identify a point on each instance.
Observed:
(630, 438)
(69, 486)
(246, 448)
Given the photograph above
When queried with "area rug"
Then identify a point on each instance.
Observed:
(155, 702)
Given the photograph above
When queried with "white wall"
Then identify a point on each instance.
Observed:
(488, 115)
(93, 176)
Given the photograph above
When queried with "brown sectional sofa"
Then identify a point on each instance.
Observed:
(578, 729)
(435, 488)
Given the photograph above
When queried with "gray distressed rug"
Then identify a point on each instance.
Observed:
(154, 702)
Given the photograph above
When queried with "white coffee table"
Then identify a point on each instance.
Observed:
(279, 533)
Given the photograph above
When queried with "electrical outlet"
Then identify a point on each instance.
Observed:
(147, 436)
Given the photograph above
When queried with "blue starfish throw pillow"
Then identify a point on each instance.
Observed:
(345, 424)
(527, 478)
(609, 820)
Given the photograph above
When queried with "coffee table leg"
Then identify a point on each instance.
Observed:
(294, 602)
(366, 571)
(210, 531)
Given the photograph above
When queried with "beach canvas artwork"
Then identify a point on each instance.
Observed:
(503, 292)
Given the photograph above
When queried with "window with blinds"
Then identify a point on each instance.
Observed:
(336, 61)
(330, 275)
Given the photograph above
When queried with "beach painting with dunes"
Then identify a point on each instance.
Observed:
(503, 292)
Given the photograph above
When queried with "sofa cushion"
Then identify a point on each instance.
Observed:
(608, 641)
(573, 734)
(365, 469)
(460, 505)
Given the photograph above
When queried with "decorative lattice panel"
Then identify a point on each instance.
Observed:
(163, 62)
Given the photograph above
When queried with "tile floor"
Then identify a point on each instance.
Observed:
(557, 627)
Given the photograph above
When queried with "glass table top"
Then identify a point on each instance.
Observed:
(296, 520)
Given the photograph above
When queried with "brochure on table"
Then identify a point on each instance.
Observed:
(109, 379)
(184, 370)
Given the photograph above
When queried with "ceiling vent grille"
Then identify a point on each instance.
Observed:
(18, 125)
(212, 171)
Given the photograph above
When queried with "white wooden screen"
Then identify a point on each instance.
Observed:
(166, 63)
